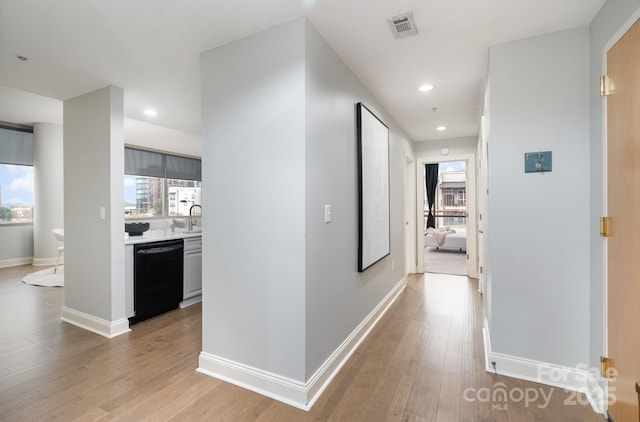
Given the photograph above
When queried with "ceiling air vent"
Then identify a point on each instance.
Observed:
(403, 25)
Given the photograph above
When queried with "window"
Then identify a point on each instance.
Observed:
(182, 195)
(160, 185)
(451, 195)
(16, 175)
(454, 197)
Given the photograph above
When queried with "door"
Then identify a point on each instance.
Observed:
(192, 267)
(623, 204)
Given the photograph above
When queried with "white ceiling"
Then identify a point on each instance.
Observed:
(151, 49)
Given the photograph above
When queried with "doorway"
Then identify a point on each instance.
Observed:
(445, 241)
(470, 217)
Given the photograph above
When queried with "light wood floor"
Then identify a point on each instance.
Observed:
(423, 362)
(445, 261)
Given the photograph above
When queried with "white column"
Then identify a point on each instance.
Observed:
(94, 276)
(48, 191)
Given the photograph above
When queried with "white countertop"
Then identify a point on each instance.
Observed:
(160, 235)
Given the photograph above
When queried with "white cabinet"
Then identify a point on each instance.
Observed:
(192, 268)
(128, 280)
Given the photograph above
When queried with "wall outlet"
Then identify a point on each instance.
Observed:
(393, 264)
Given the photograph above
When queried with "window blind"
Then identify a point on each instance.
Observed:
(143, 163)
(155, 164)
(184, 168)
(16, 147)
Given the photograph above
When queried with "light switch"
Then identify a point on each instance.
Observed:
(103, 213)
(327, 213)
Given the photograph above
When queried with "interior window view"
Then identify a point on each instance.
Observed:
(16, 176)
(148, 192)
(19, 181)
(319, 210)
(445, 218)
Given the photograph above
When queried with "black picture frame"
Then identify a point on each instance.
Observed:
(373, 188)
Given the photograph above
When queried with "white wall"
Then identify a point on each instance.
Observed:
(612, 16)
(539, 234)
(16, 247)
(338, 298)
(48, 191)
(253, 190)
(93, 178)
(465, 145)
(281, 291)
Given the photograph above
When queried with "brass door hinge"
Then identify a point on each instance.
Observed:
(604, 367)
(605, 226)
(604, 85)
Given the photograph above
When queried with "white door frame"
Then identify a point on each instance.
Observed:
(472, 227)
(410, 230)
(482, 203)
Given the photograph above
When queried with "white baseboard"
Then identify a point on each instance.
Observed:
(279, 388)
(94, 324)
(291, 392)
(190, 301)
(5, 263)
(330, 368)
(574, 379)
(42, 262)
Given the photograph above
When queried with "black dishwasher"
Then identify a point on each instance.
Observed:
(158, 278)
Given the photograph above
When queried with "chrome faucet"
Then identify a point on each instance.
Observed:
(191, 215)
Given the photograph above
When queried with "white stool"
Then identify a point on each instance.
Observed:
(59, 234)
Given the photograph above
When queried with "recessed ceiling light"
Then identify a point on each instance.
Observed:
(425, 88)
(441, 128)
(151, 113)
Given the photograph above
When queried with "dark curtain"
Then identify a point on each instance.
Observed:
(431, 180)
